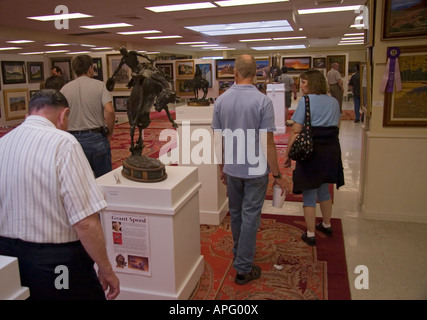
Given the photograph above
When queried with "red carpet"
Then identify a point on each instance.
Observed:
(304, 273)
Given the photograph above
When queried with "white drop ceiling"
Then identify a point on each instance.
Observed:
(321, 30)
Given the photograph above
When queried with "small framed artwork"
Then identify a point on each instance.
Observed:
(407, 107)
(120, 103)
(13, 72)
(185, 68)
(403, 19)
(35, 71)
(182, 89)
(123, 76)
(262, 65)
(225, 85)
(15, 103)
(338, 59)
(206, 69)
(97, 69)
(167, 69)
(261, 86)
(65, 65)
(224, 68)
(297, 64)
(319, 63)
(33, 92)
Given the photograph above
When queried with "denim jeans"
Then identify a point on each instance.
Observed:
(357, 108)
(322, 194)
(97, 150)
(246, 197)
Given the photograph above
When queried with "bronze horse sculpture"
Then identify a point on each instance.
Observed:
(150, 87)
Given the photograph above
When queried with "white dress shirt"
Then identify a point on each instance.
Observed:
(46, 183)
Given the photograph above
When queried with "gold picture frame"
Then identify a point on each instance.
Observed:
(15, 103)
(407, 107)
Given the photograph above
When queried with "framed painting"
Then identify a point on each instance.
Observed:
(225, 85)
(296, 64)
(181, 89)
(15, 103)
(97, 69)
(261, 86)
(35, 71)
(366, 86)
(319, 63)
(338, 59)
(167, 69)
(65, 65)
(404, 19)
(184, 68)
(407, 107)
(224, 68)
(369, 25)
(123, 76)
(206, 69)
(13, 72)
(119, 103)
(262, 65)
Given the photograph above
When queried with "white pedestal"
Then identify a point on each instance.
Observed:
(159, 234)
(10, 281)
(276, 92)
(213, 194)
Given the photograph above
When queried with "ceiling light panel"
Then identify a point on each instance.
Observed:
(106, 26)
(298, 46)
(60, 17)
(232, 3)
(181, 7)
(129, 33)
(331, 9)
(243, 28)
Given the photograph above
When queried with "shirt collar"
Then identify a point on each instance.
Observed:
(39, 120)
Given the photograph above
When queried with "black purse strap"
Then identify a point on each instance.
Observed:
(307, 121)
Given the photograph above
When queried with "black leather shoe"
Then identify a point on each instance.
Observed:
(326, 231)
(311, 241)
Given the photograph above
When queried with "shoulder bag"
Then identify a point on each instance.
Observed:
(302, 148)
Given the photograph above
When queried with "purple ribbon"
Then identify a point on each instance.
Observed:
(392, 71)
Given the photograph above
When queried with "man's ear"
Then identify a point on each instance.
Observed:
(63, 119)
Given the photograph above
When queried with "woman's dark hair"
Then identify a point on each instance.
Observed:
(47, 98)
(316, 81)
(57, 69)
(54, 82)
(81, 64)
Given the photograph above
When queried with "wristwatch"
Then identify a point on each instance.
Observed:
(279, 175)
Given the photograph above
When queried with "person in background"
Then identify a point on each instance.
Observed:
(289, 89)
(49, 206)
(244, 110)
(92, 115)
(335, 83)
(56, 71)
(312, 177)
(54, 82)
(354, 85)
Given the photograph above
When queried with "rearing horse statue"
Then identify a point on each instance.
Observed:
(150, 87)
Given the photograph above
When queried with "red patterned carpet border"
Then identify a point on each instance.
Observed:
(303, 273)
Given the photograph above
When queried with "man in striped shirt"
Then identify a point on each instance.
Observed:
(49, 202)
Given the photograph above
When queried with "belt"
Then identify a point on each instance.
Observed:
(96, 130)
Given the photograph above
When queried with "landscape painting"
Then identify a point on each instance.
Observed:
(224, 68)
(261, 67)
(15, 103)
(404, 19)
(297, 64)
(13, 72)
(407, 107)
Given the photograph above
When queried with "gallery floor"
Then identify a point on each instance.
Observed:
(394, 252)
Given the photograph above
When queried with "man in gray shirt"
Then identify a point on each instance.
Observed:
(92, 115)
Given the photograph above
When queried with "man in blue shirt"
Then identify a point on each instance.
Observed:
(245, 118)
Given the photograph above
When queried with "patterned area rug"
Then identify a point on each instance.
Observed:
(291, 270)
